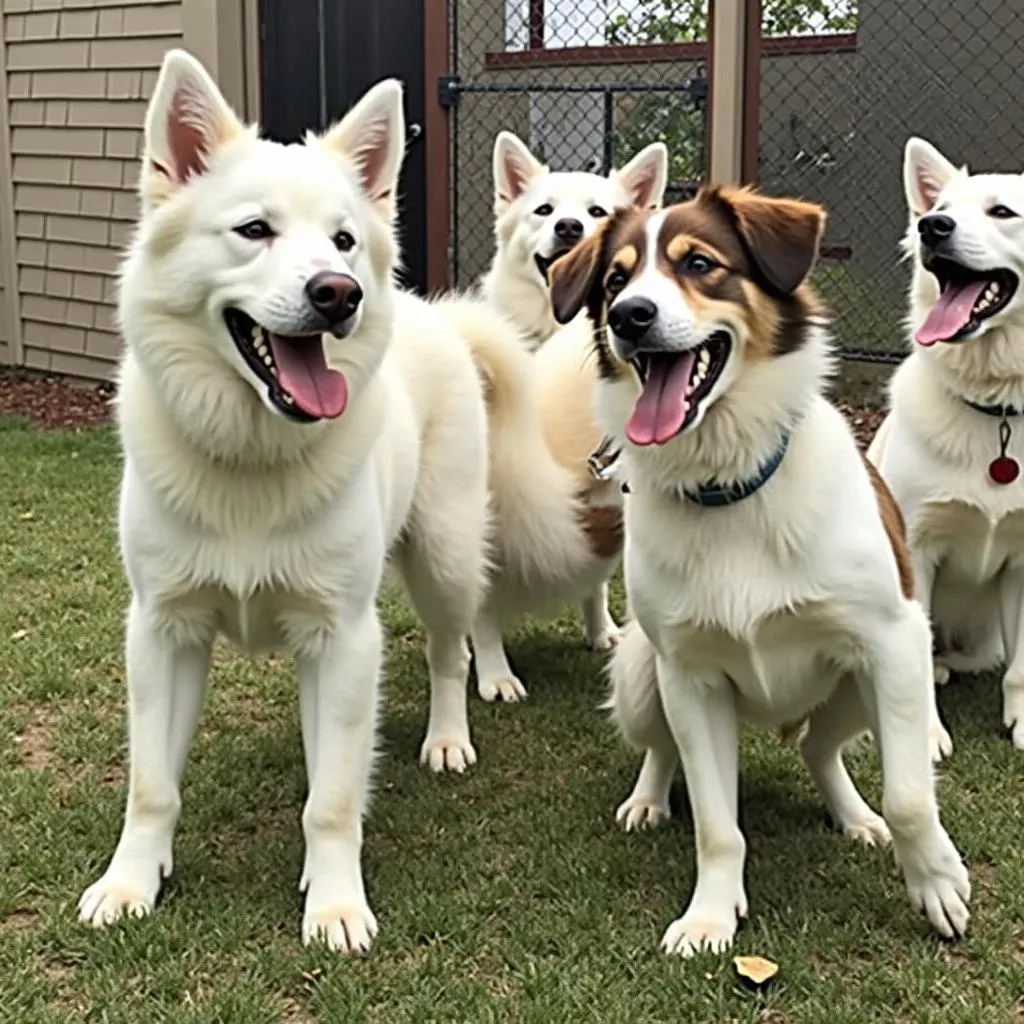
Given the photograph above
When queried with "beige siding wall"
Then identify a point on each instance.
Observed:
(78, 73)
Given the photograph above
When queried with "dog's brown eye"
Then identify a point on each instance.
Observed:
(344, 242)
(1001, 212)
(697, 263)
(597, 212)
(616, 282)
(544, 210)
(255, 230)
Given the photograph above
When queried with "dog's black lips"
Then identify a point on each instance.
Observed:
(251, 341)
(718, 345)
(544, 262)
(949, 273)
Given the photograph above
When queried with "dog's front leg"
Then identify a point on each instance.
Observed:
(165, 686)
(1011, 606)
(495, 679)
(896, 694)
(701, 714)
(339, 691)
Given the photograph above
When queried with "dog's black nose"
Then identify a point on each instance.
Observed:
(568, 230)
(631, 318)
(334, 296)
(935, 229)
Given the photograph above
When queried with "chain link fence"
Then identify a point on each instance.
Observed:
(842, 85)
(837, 107)
(566, 76)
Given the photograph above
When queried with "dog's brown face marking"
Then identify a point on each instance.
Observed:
(737, 257)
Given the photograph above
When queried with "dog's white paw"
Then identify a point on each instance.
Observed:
(941, 672)
(638, 813)
(344, 928)
(127, 889)
(1013, 712)
(508, 689)
(937, 882)
(606, 639)
(940, 743)
(448, 753)
(871, 831)
(696, 933)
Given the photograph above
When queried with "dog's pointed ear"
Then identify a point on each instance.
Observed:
(645, 176)
(515, 167)
(574, 277)
(372, 137)
(926, 172)
(780, 236)
(187, 121)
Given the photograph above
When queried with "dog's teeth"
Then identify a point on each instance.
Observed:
(288, 400)
(256, 332)
(705, 359)
(268, 360)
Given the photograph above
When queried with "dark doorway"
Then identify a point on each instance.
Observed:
(319, 56)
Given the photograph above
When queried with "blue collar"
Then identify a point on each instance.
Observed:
(1000, 411)
(714, 495)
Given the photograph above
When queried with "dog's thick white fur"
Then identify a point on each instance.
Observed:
(787, 604)
(558, 531)
(966, 532)
(263, 491)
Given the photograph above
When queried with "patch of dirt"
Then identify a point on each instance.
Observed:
(35, 741)
(53, 403)
(293, 1012)
(20, 921)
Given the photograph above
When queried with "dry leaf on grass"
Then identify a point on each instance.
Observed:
(755, 970)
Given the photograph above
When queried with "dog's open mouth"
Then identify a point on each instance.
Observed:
(967, 299)
(299, 382)
(544, 262)
(674, 385)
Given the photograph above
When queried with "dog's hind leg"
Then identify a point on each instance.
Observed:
(166, 680)
(443, 559)
(495, 679)
(637, 711)
(831, 726)
(598, 625)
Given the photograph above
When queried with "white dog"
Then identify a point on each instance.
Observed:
(558, 522)
(287, 420)
(765, 563)
(952, 446)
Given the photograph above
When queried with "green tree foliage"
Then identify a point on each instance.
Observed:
(671, 117)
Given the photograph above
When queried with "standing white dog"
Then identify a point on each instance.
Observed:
(952, 446)
(558, 523)
(764, 561)
(287, 420)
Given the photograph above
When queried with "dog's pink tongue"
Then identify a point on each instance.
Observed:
(303, 372)
(661, 409)
(951, 314)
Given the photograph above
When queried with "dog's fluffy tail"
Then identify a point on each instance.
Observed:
(634, 702)
(539, 536)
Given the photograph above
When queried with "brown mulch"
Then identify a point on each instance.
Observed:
(865, 421)
(54, 403)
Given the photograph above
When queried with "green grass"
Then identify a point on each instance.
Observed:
(504, 895)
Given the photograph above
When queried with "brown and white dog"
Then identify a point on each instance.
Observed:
(765, 563)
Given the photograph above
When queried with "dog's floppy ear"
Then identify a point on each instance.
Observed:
(575, 277)
(187, 120)
(926, 172)
(515, 167)
(372, 137)
(645, 176)
(780, 236)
